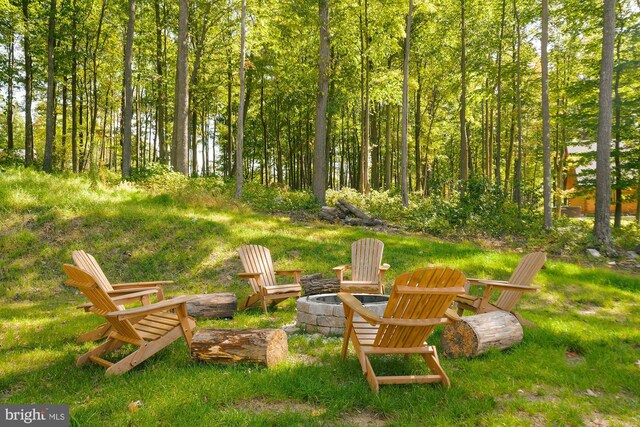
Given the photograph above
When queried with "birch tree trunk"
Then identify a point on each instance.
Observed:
(28, 87)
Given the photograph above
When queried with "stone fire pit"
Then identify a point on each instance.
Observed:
(324, 313)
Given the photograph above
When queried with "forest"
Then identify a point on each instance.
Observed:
(496, 92)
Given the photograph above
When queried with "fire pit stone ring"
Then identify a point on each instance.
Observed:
(324, 313)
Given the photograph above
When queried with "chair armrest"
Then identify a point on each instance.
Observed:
(249, 275)
(126, 291)
(148, 309)
(354, 304)
(123, 299)
(502, 285)
(141, 284)
(295, 273)
(414, 322)
(451, 315)
(339, 270)
(385, 267)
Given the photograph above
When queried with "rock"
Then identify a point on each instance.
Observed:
(593, 252)
(632, 255)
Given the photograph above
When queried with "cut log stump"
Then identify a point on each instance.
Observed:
(474, 335)
(235, 346)
(213, 306)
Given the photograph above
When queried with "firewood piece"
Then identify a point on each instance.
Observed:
(213, 306)
(474, 335)
(235, 346)
(355, 211)
(314, 284)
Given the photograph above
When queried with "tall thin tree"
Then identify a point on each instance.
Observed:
(602, 220)
(51, 90)
(240, 125)
(405, 109)
(127, 115)
(28, 86)
(180, 152)
(498, 152)
(319, 149)
(464, 166)
(546, 141)
(10, 64)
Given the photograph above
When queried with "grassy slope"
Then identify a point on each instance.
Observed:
(593, 313)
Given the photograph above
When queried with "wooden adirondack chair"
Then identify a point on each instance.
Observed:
(511, 290)
(258, 269)
(418, 302)
(144, 289)
(367, 273)
(150, 328)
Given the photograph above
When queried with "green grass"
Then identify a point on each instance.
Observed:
(592, 313)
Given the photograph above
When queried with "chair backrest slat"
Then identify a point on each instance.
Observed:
(89, 264)
(523, 274)
(366, 257)
(257, 259)
(417, 305)
(102, 303)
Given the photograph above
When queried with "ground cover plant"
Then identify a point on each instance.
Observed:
(579, 366)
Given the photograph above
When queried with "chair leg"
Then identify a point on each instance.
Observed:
(98, 333)
(264, 306)
(434, 365)
(147, 350)
(109, 345)
(371, 376)
(251, 300)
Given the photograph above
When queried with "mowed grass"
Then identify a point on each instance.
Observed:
(579, 366)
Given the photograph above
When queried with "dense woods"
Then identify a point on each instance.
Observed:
(129, 85)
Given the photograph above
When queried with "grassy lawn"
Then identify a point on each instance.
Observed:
(579, 366)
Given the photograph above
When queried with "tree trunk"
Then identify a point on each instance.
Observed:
(499, 96)
(128, 92)
(546, 143)
(74, 91)
(181, 116)
(10, 62)
(51, 91)
(28, 87)
(617, 219)
(517, 188)
(161, 95)
(464, 171)
(418, 127)
(364, 93)
(213, 306)
(405, 108)
(320, 146)
(241, 112)
(602, 225)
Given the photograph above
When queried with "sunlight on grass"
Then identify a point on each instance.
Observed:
(587, 337)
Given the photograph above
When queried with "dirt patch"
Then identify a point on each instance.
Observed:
(363, 418)
(279, 407)
(597, 419)
(357, 418)
(573, 358)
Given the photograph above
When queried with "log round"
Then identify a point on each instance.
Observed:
(234, 346)
(474, 335)
(213, 306)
